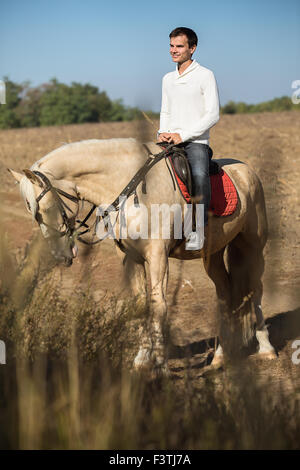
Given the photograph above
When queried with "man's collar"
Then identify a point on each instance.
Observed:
(191, 67)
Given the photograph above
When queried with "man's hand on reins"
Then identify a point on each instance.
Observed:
(164, 137)
(170, 138)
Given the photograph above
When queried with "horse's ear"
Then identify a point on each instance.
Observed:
(16, 175)
(33, 177)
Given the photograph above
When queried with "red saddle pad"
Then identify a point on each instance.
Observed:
(224, 197)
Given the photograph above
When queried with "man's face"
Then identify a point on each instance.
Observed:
(180, 50)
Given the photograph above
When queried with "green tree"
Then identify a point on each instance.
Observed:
(118, 111)
(29, 108)
(242, 107)
(229, 108)
(56, 105)
(63, 104)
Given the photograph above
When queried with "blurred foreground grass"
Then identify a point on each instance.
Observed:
(68, 382)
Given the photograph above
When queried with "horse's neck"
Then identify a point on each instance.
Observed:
(98, 169)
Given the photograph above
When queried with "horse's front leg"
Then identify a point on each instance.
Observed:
(152, 352)
(134, 276)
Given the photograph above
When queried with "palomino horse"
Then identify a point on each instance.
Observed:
(97, 171)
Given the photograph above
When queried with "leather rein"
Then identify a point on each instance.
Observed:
(71, 230)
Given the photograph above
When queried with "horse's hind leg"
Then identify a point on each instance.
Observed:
(215, 268)
(246, 266)
(256, 268)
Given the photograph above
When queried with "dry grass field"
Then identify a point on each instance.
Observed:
(70, 341)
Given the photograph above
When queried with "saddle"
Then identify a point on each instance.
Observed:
(177, 157)
(224, 198)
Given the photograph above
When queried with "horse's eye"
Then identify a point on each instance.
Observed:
(50, 210)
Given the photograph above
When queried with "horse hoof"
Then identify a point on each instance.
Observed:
(142, 360)
(217, 362)
(267, 355)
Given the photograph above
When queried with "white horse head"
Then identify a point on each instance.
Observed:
(55, 217)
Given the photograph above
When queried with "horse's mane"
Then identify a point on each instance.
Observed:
(29, 196)
(108, 145)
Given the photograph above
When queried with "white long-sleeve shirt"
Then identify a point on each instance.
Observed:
(190, 103)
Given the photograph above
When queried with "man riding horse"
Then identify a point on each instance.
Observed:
(190, 107)
(98, 171)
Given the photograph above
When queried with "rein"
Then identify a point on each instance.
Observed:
(129, 189)
(141, 173)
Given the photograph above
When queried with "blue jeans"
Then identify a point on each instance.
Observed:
(198, 158)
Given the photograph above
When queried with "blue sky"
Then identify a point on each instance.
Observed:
(122, 47)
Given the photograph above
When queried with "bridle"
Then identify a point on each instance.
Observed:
(70, 229)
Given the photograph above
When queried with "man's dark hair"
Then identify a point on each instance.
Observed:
(189, 33)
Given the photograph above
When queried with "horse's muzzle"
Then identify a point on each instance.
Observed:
(68, 262)
(60, 258)
(65, 254)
